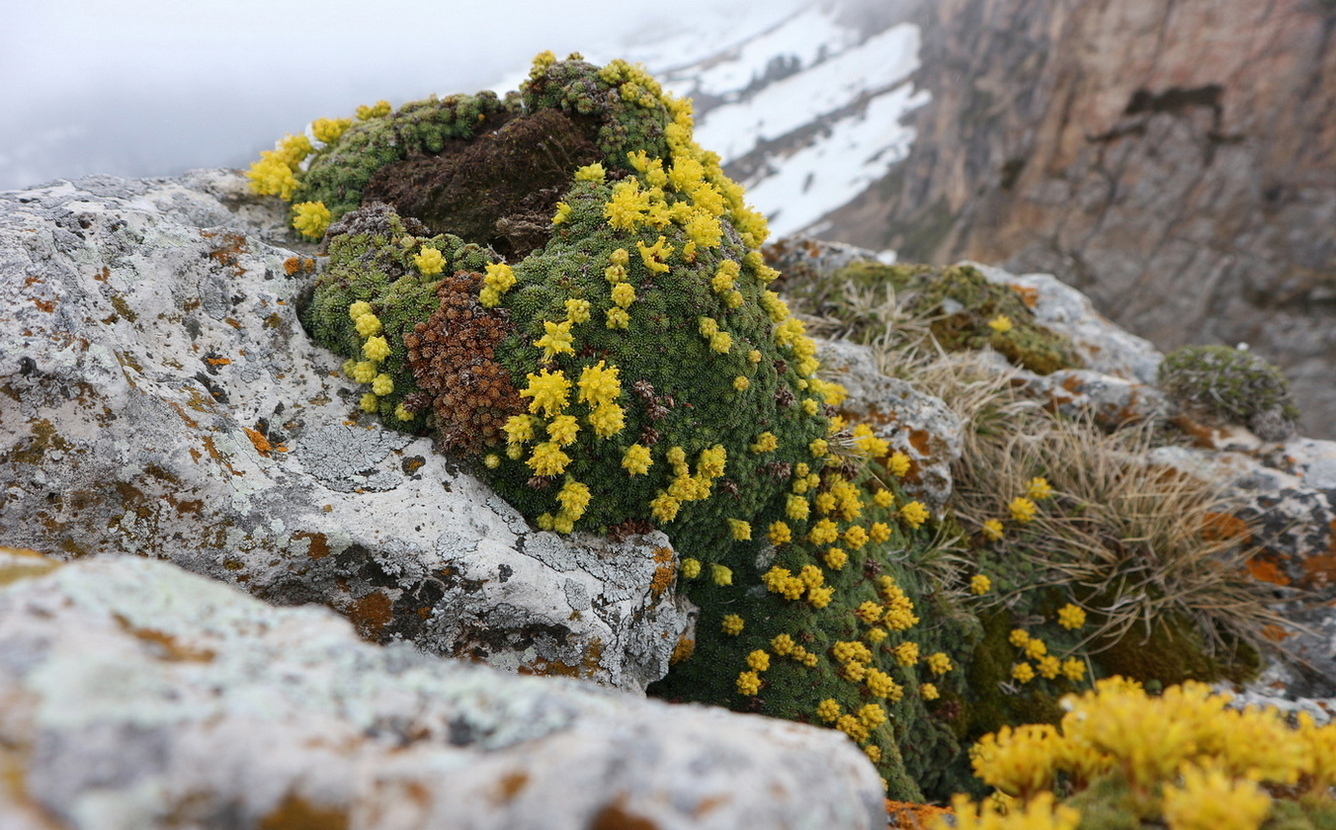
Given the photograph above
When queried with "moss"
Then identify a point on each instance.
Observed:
(1172, 652)
(1232, 386)
(957, 302)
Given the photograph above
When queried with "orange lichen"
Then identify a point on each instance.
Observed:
(1265, 569)
(370, 615)
(1220, 527)
(910, 816)
(664, 571)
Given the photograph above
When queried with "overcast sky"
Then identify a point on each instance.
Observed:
(150, 87)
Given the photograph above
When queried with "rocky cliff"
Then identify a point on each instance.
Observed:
(1175, 161)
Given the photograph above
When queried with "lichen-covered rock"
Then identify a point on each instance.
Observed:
(159, 397)
(1111, 401)
(916, 424)
(140, 696)
(1101, 345)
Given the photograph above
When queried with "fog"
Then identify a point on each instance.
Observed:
(155, 87)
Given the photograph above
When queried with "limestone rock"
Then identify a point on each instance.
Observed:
(921, 426)
(158, 397)
(138, 696)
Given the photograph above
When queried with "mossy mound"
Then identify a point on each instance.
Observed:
(596, 334)
(1229, 385)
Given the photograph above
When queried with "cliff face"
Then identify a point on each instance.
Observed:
(1176, 161)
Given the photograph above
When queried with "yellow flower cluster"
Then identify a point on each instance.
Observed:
(375, 349)
(1193, 762)
(498, 278)
(275, 174)
(1022, 509)
(980, 584)
(809, 581)
(1038, 814)
(429, 261)
(311, 219)
(1000, 324)
(899, 614)
(732, 625)
(914, 514)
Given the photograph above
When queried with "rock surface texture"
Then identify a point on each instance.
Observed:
(158, 397)
(136, 695)
(1176, 161)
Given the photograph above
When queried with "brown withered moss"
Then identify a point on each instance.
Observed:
(452, 356)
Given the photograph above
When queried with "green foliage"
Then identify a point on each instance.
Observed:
(1230, 385)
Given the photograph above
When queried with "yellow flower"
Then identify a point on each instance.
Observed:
(739, 529)
(854, 671)
(1022, 672)
(835, 558)
(607, 419)
(375, 348)
(758, 660)
(1071, 617)
(914, 514)
(623, 294)
(938, 663)
(765, 442)
(1038, 488)
(732, 625)
(404, 415)
(499, 276)
(664, 507)
(625, 210)
(872, 715)
(520, 428)
(992, 529)
(636, 460)
(617, 318)
(1019, 637)
(380, 109)
(820, 597)
(365, 371)
(1049, 666)
(369, 402)
(779, 533)
(548, 459)
(429, 261)
(690, 568)
(590, 173)
(1022, 509)
(883, 498)
(855, 537)
(1073, 669)
(563, 429)
(796, 508)
(980, 584)
(1000, 324)
(367, 325)
(783, 645)
(358, 309)
(1035, 648)
(574, 498)
(655, 256)
(721, 342)
(382, 384)
(823, 532)
(749, 683)
(722, 575)
(876, 635)
(562, 215)
(928, 691)
(577, 311)
(741, 383)
(828, 710)
(1210, 799)
(818, 447)
(329, 129)
(881, 684)
(906, 654)
(557, 339)
(312, 218)
(898, 463)
(549, 392)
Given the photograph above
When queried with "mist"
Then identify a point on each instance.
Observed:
(156, 87)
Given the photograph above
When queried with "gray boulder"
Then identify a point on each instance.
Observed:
(158, 397)
(139, 696)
